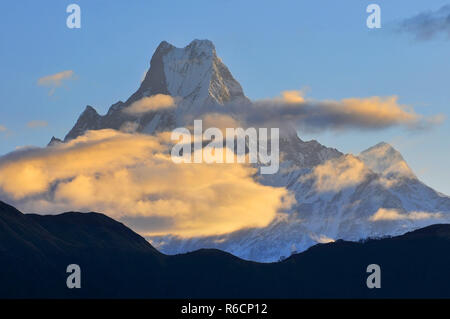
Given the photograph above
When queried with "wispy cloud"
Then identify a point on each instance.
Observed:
(370, 113)
(394, 214)
(55, 80)
(151, 103)
(322, 239)
(337, 174)
(428, 25)
(37, 124)
(5, 132)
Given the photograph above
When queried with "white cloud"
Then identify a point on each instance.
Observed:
(394, 214)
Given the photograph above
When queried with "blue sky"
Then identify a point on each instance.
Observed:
(269, 47)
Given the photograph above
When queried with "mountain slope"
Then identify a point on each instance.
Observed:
(116, 263)
(35, 251)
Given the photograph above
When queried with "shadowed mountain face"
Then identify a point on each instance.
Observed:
(35, 251)
(117, 263)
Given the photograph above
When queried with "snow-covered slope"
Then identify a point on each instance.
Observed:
(338, 197)
(196, 74)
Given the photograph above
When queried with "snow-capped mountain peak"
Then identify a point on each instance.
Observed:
(195, 75)
(385, 160)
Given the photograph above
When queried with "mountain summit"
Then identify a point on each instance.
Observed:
(194, 75)
(384, 159)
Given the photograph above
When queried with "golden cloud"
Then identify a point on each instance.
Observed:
(55, 79)
(132, 177)
(36, 124)
(322, 239)
(150, 103)
(376, 109)
(358, 113)
(220, 121)
(293, 97)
